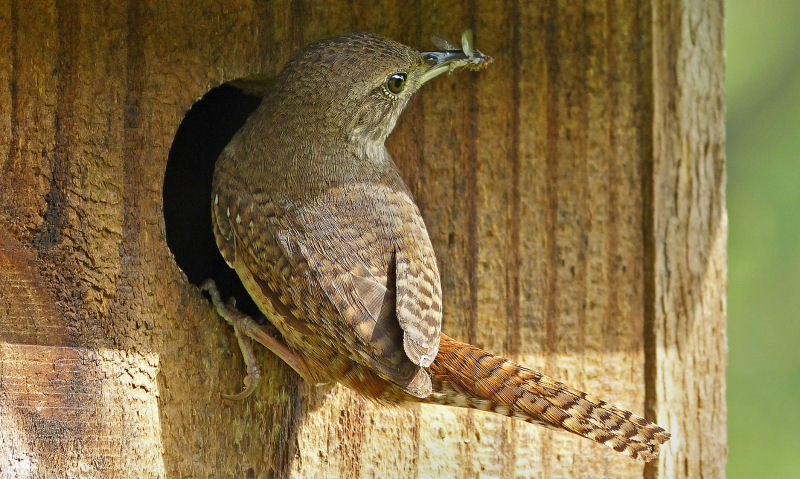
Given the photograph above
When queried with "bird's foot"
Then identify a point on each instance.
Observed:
(245, 328)
(239, 321)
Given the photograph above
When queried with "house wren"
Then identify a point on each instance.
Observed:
(310, 210)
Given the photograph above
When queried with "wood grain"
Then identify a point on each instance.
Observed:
(687, 356)
(574, 194)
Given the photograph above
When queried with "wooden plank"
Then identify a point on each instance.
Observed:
(574, 193)
(687, 354)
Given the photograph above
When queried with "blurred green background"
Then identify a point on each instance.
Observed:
(763, 147)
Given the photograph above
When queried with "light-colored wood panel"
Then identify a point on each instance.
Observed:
(688, 353)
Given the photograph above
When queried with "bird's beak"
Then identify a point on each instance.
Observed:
(449, 60)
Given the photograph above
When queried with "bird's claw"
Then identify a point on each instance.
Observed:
(236, 319)
(247, 328)
(251, 382)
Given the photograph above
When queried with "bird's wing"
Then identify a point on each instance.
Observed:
(333, 273)
(382, 265)
(419, 293)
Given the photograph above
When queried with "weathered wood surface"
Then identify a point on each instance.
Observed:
(687, 345)
(574, 193)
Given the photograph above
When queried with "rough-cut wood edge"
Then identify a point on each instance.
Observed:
(687, 234)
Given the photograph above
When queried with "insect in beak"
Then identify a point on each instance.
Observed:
(451, 57)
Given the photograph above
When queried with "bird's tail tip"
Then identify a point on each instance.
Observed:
(466, 376)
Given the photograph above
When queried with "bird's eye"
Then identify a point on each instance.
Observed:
(396, 82)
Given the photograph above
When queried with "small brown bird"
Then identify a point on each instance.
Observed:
(310, 210)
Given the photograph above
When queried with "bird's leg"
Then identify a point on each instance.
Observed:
(253, 370)
(236, 319)
(245, 328)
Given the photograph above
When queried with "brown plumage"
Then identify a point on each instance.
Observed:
(310, 210)
(466, 376)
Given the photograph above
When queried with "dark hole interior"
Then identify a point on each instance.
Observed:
(205, 130)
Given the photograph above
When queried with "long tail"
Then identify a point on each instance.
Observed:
(466, 376)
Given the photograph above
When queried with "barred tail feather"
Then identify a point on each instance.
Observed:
(466, 376)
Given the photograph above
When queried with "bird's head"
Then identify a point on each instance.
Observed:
(359, 83)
